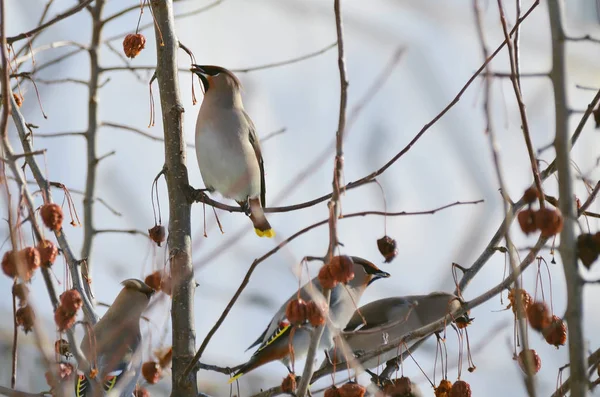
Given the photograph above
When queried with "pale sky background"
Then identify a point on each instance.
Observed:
(451, 162)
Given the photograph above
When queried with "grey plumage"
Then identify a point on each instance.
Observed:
(274, 341)
(115, 341)
(385, 320)
(227, 147)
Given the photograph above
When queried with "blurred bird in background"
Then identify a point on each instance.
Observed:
(113, 346)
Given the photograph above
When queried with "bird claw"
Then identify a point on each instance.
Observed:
(194, 195)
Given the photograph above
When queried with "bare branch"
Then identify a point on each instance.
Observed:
(45, 47)
(73, 10)
(574, 314)
(137, 7)
(137, 131)
(176, 176)
(242, 70)
(592, 361)
(334, 204)
(73, 264)
(286, 62)
(126, 231)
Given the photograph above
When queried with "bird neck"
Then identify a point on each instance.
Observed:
(224, 99)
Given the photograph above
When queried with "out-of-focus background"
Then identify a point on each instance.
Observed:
(451, 162)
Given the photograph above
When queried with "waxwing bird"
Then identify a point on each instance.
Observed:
(113, 347)
(274, 342)
(227, 146)
(385, 320)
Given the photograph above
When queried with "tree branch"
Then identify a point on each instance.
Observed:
(74, 10)
(179, 240)
(562, 145)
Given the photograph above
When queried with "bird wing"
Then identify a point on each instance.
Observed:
(375, 313)
(256, 146)
(260, 339)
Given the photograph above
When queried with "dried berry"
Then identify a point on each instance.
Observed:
(18, 99)
(538, 315)
(526, 220)
(296, 311)
(316, 313)
(387, 248)
(21, 292)
(71, 301)
(460, 388)
(549, 221)
(525, 301)
(289, 384)
(534, 358)
(326, 278)
(9, 264)
(151, 372)
(556, 333)
(61, 347)
(25, 318)
(531, 195)
(332, 392)
(587, 249)
(29, 257)
(141, 392)
(401, 387)
(153, 280)
(63, 319)
(352, 389)
(342, 268)
(444, 388)
(48, 252)
(133, 44)
(52, 215)
(58, 372)
(158, 234)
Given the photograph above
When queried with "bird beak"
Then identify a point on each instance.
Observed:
(201, 73)
(378, 275)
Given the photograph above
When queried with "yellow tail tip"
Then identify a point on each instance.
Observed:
(270, 233)
(236, 377)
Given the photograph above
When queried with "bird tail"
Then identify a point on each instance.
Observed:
(253, 363)
(260, 222)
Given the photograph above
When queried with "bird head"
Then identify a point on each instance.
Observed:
(216, 78)
(365, 273)
(135, 285)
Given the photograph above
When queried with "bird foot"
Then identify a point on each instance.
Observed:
(194, 195)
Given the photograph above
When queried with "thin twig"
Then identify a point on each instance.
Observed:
(522, 112)
(6, 105)
(73, 10)
(13, 378)
(520, 305)
(334, 204)
(563, 389)
(126, 231)
(287, 61)
(137, 131)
